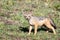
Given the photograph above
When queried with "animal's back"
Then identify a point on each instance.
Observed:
(36, 20)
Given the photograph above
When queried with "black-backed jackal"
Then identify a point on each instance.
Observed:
(39, 21)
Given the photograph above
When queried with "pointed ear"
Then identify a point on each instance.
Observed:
(30, 12)
(24, 12)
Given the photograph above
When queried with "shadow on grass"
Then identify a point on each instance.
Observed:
(24, 29)
(42, 28)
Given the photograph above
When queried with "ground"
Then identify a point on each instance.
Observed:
(14, 26)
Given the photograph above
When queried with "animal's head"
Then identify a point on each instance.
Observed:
(27, 15)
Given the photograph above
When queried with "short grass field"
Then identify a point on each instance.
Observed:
(14, 26)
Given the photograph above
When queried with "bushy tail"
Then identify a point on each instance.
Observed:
(52, 23)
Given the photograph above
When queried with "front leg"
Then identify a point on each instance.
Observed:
(35, 31)
(30, 28)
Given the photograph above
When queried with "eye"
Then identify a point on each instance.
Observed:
(28, 16)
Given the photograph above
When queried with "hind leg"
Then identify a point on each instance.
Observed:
(50, 27)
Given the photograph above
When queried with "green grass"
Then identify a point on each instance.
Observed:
(11, 33)
(13, 25)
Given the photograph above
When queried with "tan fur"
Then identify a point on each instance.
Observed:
(33, 20)
(46, 22)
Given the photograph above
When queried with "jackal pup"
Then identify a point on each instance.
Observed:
(39, 21)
